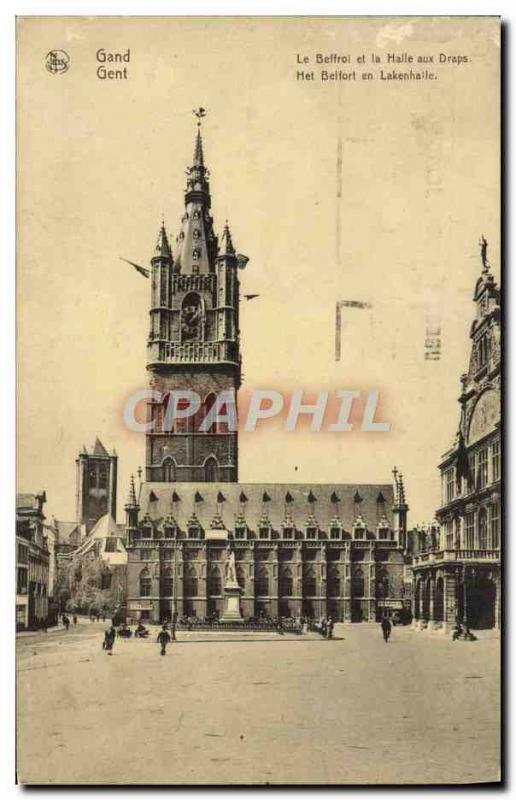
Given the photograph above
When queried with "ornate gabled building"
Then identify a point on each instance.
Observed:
(456, 573)
(193, 342)
(308, 550)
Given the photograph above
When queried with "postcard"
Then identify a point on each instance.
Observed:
(258, 510)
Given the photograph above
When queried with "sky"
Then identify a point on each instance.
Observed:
(371, 191)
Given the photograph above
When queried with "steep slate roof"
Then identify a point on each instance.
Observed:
(28, 500)
(99, 449)
(111, 537)
(300, 509)
(64, 530)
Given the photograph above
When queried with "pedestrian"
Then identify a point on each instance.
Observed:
(75, 619)
(386, 628)
(103, 617)
(324, 629)
(66, 622)
(163, 639)
(329, 628)
(98, 617)
(109, 640)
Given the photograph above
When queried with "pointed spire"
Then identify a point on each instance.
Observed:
(131, 499)
(99, 449)
(163, 249)
(227, 248)
(401, 490)
(198, 158)
(197, 245)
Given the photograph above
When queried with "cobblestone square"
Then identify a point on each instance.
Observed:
(262, 709)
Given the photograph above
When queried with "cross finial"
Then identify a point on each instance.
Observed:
(199, 113)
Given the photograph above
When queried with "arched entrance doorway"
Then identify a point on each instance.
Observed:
(481, 601)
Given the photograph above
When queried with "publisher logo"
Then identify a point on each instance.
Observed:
(57, 61)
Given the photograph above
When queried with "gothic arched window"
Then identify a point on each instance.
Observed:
(382, 583)
(286, 583)
(211, 469)
(333, 581)
(482, 529)
(309, 581)
(169, 470)
(357, 581)
(262, 580)
(103, 476)
(145, 583)
(495, 526)
(191, 582)
(167, 584)
(214, 580)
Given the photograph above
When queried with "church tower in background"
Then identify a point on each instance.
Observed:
(193, 342)
(96, 484)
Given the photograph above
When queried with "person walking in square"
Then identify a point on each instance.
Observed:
(386, 628)
(163, 639)
(109, 640)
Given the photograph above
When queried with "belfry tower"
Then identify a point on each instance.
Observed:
(193, 342)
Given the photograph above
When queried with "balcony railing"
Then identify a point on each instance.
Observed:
(440, 556)
(193, 352)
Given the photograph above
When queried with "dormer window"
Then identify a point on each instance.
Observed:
(311, 533)
(147, 532)
(240, 533)
(335, 533)
(264, 533)
(170, 532)
(288, 532)
(359, 533)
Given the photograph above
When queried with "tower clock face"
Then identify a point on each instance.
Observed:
(191, 318)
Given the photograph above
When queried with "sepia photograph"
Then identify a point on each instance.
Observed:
(258, 396)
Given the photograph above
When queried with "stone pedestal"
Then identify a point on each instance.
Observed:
(232, 611)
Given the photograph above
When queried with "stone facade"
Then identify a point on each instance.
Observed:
(456, 569)
(299, 550)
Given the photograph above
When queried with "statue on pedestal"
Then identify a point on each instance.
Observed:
(231, 577)
(232, 591)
